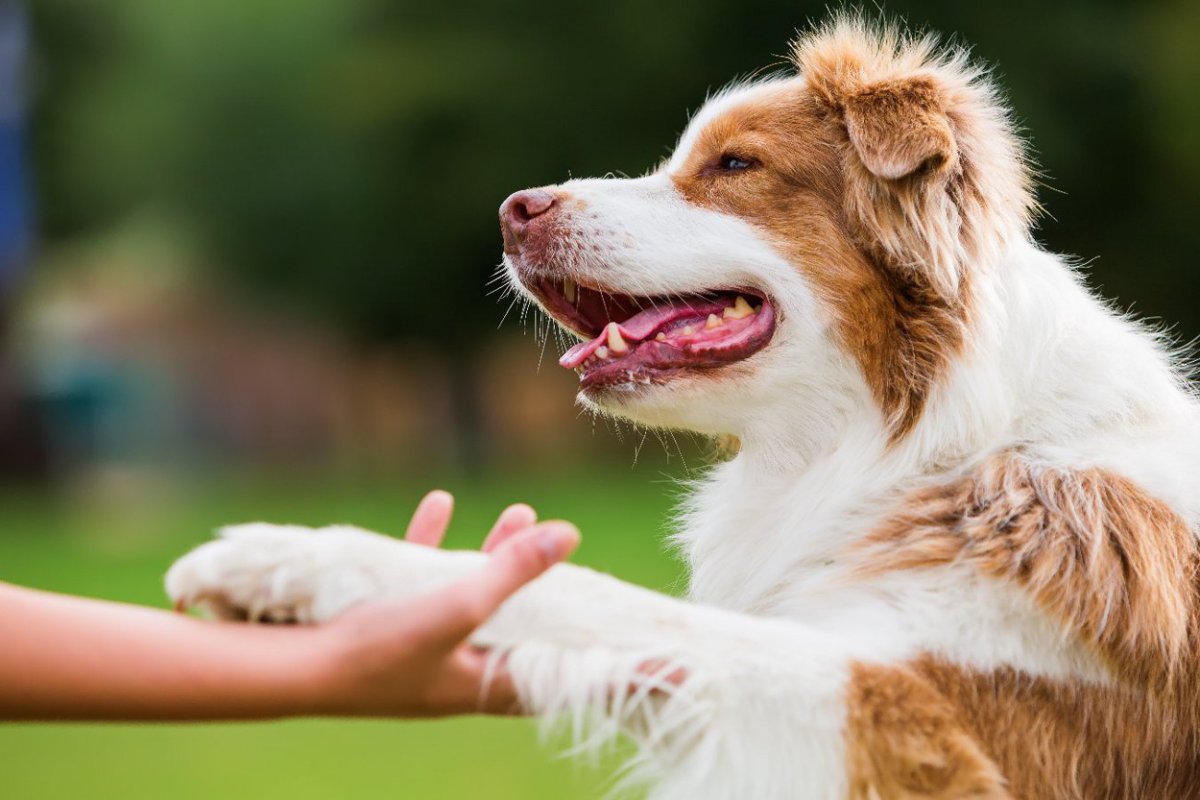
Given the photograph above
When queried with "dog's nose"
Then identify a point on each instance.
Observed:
(518, 211)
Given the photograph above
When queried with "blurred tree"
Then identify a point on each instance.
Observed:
(349, 155)
(22, 444)
(15, 220)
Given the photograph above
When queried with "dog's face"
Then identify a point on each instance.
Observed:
(808, 246)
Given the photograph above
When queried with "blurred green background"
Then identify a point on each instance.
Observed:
(245, 248)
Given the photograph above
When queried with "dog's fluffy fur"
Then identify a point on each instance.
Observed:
(956, 553)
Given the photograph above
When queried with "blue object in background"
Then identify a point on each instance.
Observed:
(15, 211)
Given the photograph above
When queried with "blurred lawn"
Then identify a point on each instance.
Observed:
(121, 551)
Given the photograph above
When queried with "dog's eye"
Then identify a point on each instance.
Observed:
(732, 163)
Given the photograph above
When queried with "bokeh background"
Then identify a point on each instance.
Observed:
(245, 248)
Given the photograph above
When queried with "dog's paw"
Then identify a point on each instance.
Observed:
(277, 573)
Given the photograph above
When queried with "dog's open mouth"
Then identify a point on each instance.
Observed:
(631, 339)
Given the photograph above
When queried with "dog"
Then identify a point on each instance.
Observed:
(955, 555)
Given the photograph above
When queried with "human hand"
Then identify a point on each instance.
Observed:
(72, 658)
(410, 657)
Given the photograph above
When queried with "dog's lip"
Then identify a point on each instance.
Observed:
(649, 339)
(552, 295)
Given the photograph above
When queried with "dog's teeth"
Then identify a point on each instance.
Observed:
(616, 342)
(602, 351)
(570, 291)
(688, 330)
(713, 322)
(661, 337)
(739, 310)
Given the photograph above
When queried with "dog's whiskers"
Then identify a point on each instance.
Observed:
(516, 299)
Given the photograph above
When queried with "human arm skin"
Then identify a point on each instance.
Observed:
(70, 658)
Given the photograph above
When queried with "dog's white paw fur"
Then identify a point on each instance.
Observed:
(289, 573)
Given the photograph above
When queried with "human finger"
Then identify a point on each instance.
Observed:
(430, 520)
(455, 611)
(513, 519)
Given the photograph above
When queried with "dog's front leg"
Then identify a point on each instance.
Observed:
(722, 705)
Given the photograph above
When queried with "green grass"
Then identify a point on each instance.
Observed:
(120, 551)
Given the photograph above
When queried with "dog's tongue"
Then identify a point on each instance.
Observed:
(633, 330)
(646, 322)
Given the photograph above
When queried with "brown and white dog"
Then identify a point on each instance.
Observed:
(956, 555)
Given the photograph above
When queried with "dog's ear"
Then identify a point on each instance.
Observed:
(886, 94)
(936, 176)
(890, 104)
(899, 151)
(898, 128)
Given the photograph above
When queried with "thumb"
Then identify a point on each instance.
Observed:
(525, 556)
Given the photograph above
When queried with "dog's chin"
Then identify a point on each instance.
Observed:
(705, 401)
(661, 393)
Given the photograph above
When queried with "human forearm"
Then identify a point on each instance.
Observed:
(71, 658)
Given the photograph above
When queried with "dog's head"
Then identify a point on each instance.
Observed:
(810, 244)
